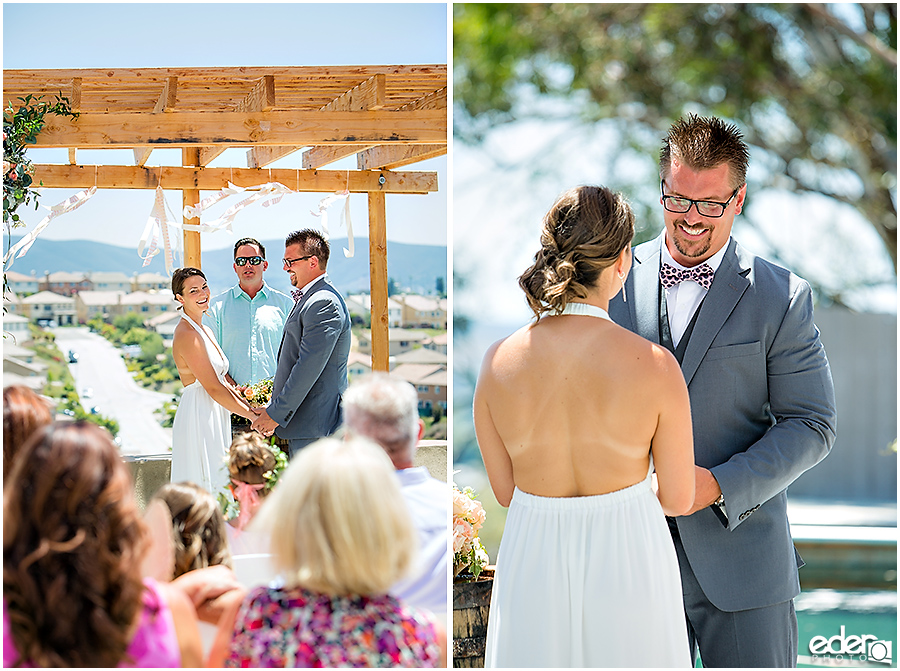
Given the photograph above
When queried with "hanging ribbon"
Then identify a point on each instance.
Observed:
(327, 202)
(157, 224)
(66, 206)
(247, 496)
(272, 191)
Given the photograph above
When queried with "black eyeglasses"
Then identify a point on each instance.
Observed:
(252, 260)
(290, 262)
(707, 208)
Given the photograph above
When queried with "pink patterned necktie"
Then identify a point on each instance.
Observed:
(297, 294)
(669, 276)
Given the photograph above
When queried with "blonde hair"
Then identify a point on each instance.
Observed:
(339, 522)
(582, 235)
(198, 527)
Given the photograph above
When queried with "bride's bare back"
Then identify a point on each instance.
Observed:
(571, 406)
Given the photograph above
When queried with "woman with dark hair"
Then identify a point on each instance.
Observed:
(572, 414)
(23, 413)
(201, 432)
(73, 541)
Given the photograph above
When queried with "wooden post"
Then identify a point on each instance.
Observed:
(378, 280)
(190, 156)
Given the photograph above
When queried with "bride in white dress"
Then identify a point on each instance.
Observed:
(572, 414)
(201, 432)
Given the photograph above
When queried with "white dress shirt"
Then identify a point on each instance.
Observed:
(683, 299)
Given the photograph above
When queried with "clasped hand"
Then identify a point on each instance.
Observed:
(263, 423)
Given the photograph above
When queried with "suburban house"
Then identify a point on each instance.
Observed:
(110, 281)
(419, 355)
(164, 324)
(19, 283)
(430, 381)
(437, 343)
(423, 311)
(358, 364)
(147, 304)
(400, 340)
(47, 305)
(66, 284)
(150, 282)
(16, 326)
(103, 304)
(360, 305)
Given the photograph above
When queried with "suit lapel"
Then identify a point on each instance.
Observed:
(728, 286)
(646, 290)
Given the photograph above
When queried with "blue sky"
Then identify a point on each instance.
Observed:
(114, 35)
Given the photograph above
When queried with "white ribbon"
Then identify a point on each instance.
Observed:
(327, 202)
(157, 223)
(66, 206)
(272, 191)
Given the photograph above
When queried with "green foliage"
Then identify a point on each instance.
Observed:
(128, 321)
(813, 86)
(20, 129)
(440, 286)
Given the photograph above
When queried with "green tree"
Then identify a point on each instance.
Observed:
(440, 286)
(813, 86)
(128, 321)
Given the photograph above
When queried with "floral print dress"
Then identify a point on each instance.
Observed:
(297, 627)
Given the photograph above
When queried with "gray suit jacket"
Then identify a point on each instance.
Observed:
(763, 412)
(312, 365)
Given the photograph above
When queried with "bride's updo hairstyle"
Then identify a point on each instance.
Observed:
(582, 235)
(180, 276)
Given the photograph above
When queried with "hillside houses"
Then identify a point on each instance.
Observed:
(405, 310)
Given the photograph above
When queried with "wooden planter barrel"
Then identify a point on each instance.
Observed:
(471, 603)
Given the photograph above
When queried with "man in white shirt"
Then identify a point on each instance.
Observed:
(384, 409)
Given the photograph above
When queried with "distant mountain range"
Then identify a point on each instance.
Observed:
(414, 268)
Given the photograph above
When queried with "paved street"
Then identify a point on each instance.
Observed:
(116, 395)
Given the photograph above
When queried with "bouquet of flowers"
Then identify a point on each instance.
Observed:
(468, 518)
(257, 394)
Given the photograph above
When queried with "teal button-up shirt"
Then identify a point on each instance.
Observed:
(249, 331)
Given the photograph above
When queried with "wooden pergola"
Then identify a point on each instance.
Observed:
(388, 116)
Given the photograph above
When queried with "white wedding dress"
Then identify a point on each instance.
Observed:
(589, 581)
(201, 432)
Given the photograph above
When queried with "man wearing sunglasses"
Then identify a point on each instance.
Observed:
(248, 318)
(762, 397)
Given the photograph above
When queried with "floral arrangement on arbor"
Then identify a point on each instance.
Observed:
(468, 518)
(20, 129)
(257, 394)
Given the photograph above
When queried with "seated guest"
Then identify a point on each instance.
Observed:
(341, 536)
(73, 541)
(384, 409)
(198, 527)
(249, 460)
(23, 412)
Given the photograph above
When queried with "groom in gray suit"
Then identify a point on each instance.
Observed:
(311, 373)
(762, 397)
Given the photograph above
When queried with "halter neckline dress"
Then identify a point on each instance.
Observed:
(589, 581)
(201, 432)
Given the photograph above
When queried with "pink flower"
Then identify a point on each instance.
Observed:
(248, 392)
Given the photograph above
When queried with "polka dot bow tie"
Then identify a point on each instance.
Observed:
(297, 294)
(669, 276)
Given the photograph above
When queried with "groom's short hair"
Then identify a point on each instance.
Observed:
(312, 242)
(703, 143)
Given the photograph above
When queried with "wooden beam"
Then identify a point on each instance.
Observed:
(388, 157)
(260, 99)
(392, 157)
(72, 158)
(319, 156)
(378, 282)
(75, 95)
(213, 179)
(365, 96)
(274, 128)
(165, 103)
(368, 95)
(260, 157)
(190, 197)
